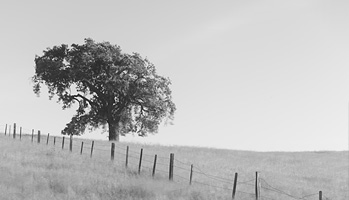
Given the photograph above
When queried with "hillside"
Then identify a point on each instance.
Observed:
(46, 171)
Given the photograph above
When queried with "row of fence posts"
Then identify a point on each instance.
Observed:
(112, 155)
(14, 131)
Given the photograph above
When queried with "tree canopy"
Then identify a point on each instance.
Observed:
(108, 87)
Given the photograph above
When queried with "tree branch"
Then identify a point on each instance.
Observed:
(85, 99)
(94, 89)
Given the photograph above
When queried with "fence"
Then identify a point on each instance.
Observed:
(158, 166)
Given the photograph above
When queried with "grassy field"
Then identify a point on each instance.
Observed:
(38, 171)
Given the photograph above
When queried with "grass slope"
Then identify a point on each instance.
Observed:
(39, 171)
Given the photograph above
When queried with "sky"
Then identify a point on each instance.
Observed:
(246, 75)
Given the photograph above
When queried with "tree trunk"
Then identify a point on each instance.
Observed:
(114, 131)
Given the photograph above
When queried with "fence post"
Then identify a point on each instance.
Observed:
(39, 134)
(93, 142)
(54, 141)
(48, 136)
(320, 195)
(126, 156)
(191, 174)
(171, 167)
(71, 143)
(82, 146)
(234, 186)
(257, 186)
(154, 165)
(63, 142)
(20, 133)
(5, 129)
(14, 130)
(32, 135)
(112, 151)
(140, 161)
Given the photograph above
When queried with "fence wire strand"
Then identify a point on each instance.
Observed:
(283, 192)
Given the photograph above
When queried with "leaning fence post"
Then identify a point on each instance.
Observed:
(20, 133)
(171, 167)
(257, 186)
(112, 151)
(5, 129)
(93, 142)
(82, 146)
(154, 165)
(39, 136)
(140, 161)
(320, 195)
(32, 135)
(126, 156)
(14, 130)
(48, 136)
(234, 186)
(71, 143)
(63, 142)
(191, 174)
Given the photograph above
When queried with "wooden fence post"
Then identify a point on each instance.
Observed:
(82, 146)
(191, 174)
(63, 142)
(71, 143)
(32, 135)
(5, 129)
(39, 134)
(54, 141)
(93, 142)
(20, 133)
(126, 156)
(234, 186)
(154, 165)
(48, 136)
(112, 151)
(140, 161)
(14, 131)
(257, 186)
(170, 176)
(320, 195)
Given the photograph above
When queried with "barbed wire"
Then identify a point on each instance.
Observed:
(309, 195)
(246, 182)
(98, 149)
(217, 178)
(214, 177)
(185, 163)
(283, 192)
(210, 185)
(277, 190)
(188, 170)
(176, 175)
(160, 170)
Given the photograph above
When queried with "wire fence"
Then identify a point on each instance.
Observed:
(159, 166)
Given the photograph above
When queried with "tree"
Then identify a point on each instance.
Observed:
(108, 87)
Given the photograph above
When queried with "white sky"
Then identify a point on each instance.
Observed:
(249, 75)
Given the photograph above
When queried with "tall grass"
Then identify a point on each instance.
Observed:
(39, 171)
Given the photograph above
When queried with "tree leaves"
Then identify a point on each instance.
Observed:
(110, 87)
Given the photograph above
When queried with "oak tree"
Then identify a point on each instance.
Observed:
(109, 87)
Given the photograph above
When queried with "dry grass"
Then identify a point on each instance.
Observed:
(32, 171)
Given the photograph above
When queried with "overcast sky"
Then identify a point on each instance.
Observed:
(248, 75)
